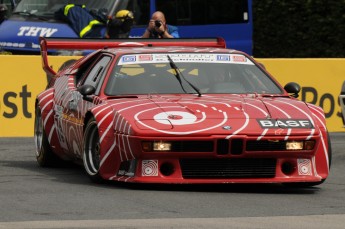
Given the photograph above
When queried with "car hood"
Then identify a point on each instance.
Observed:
(216, 115)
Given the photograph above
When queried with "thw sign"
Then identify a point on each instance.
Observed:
(29, 31)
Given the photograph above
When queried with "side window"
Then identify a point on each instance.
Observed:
(97, 72)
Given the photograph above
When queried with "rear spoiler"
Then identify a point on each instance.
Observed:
(94, 44)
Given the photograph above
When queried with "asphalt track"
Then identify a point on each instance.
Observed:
(34, 197)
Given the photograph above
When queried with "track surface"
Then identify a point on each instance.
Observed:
(34, 197)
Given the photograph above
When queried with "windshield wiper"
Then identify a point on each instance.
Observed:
(178, 75)
(30, 14)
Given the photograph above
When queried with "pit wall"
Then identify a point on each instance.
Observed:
(22, 78)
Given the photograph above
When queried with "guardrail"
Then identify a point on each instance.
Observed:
(22, 78)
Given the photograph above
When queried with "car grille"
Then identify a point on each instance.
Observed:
(265, 145)
(237, 146)
(192, 146)
(228, 168)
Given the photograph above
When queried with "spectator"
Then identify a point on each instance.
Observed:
(157, 27)
(90, 24)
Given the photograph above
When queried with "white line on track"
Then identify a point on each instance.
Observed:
(281, 222)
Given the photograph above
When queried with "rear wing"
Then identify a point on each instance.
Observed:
(94, 44)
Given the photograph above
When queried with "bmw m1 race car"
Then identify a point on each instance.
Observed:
(181, 111)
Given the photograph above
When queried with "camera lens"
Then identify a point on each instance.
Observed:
(158, 24)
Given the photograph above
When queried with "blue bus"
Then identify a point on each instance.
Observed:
(230, 19)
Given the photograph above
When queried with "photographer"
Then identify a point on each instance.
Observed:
(158, 28)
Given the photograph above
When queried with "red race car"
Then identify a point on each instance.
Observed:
(181, 111)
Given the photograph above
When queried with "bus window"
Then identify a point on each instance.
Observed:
(229, 19)
(140, 9)
(204, 12)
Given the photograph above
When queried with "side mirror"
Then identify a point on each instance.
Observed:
(293, 89)
(86, 90)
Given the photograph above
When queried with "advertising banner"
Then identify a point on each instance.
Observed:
(22, 78)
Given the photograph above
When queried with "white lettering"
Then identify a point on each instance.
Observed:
(304, 123)
(22, 30)
(292, 123)
(33, 31)
(47, 32)
(280, 124)
(36, 31)
(285, 123)
(266, 123)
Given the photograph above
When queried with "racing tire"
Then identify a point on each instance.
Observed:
(44, 153)
(311, 184)
(91, 151)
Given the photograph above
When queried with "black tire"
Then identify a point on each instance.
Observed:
(311, 184)
(44, 153)
(91, 151)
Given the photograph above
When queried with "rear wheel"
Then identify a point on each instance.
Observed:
(91, 154)
(44, 154)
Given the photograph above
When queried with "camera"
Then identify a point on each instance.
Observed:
(158, 23)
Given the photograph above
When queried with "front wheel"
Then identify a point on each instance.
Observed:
(44, 153)
(91, 153)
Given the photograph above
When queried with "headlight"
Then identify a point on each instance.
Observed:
(156, 146)
(294, 145)
(300, 145)
(161, 146)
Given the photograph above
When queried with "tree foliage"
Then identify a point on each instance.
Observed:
(299, 28)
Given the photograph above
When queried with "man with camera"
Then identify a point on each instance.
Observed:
(158, 28)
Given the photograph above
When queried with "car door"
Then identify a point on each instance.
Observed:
(90, 73)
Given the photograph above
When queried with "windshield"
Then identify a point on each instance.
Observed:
(210, 73)
(48, 7)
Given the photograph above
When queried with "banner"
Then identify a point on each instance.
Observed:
(320, 80)
(22, 78)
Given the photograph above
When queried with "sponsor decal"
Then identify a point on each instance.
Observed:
(304, 167)
(129, 58)
(149, 168)
(145, 57)
(19, 45)
(239, 58)
(183, 58)
(285, 123)
(223, 57)
(29, 31)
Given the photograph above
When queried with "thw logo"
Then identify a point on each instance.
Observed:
(36, 31)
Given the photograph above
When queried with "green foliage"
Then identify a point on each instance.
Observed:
(299, 28)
